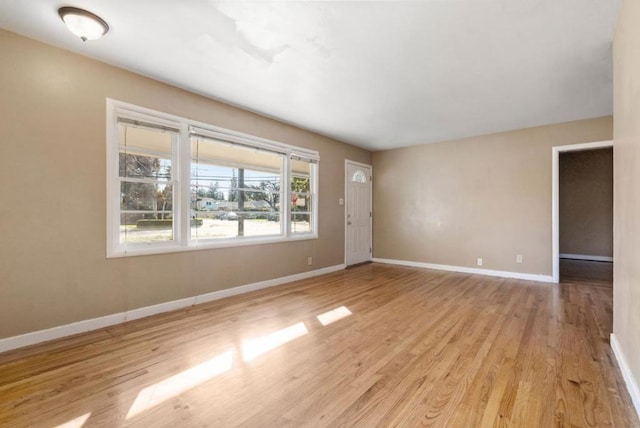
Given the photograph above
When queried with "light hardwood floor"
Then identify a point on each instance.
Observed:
(406, 347)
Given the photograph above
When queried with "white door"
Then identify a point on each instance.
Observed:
(358, 213)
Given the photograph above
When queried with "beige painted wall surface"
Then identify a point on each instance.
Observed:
(53, 268)
(586, 202)
(489, 196)
(626, 236)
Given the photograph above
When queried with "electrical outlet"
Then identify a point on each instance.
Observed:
(479, 261)
(309, 261)
(340, 201)
(519, 258)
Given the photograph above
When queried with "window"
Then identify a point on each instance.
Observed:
(359, 177)
(175, 184)
(302, 194)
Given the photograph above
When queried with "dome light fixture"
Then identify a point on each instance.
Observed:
(83, 24)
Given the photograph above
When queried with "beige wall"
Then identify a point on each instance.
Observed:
(53, 268)
(626, 236)
(489, 196)
(586, 202)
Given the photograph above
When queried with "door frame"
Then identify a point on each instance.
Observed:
(348, 162)
(555, 197)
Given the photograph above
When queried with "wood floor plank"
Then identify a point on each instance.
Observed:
(413, 347)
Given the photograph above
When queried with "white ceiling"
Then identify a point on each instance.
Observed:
(375, 74)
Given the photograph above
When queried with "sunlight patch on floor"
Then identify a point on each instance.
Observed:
(175, 385)
(75, 423)
(253, 348)
(333, 315)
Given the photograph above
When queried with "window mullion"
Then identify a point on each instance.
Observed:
(315, 204)
(184, 177)
(146, 181)
(286, 197)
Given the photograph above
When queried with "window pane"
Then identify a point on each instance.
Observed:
(300, 202)
(216, 188)
(234, 191)
(140, 228)
(145, 153)
(301, 208)
(300, 222)
(359, 177)
(225, 225)
(301, 196)
(139, 166)
(146, 196)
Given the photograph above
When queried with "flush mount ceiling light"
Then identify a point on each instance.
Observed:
(83, 24)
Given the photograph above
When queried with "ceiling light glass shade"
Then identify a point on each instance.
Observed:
(83, 24)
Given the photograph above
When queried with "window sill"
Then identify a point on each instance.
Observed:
(151, 249)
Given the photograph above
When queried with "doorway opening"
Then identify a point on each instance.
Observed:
(582, 218)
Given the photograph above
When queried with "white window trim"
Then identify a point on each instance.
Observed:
(181, 168)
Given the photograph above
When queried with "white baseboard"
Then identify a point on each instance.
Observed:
(586, 257)
(40, 336)
(629, 380)
(147, 311)
(488, 272)
(265, 284)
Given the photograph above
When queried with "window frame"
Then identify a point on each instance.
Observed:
(181, 176)
(174, 182)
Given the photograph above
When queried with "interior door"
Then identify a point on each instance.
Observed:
(358, 213)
